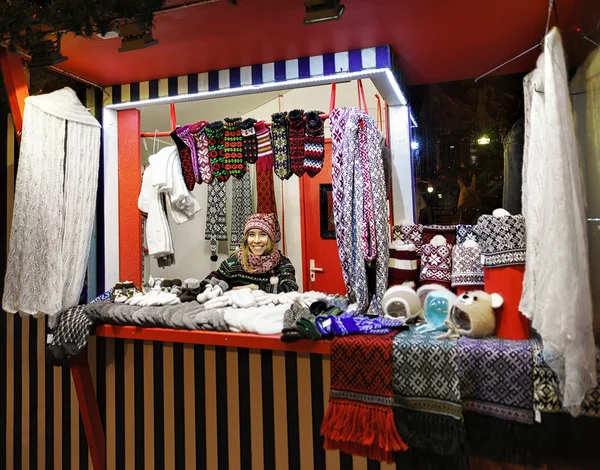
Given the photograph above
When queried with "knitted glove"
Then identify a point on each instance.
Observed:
(296, 138)
(314, 144)
(215, 133)
(279, 129)
(234, 163)
(264, 147)
(249, 140)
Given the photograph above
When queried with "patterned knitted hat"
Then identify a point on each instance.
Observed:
(502, 240)
(436, 263)
(267, 223)
(464, 233)
(409, 234)
(466, 265)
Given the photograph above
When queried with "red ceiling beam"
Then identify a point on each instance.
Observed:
(16, 86)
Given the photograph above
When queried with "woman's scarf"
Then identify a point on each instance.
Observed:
(260, 264)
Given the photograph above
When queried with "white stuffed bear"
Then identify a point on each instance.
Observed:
(472, 314)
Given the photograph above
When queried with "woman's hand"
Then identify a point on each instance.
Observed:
(249, 286)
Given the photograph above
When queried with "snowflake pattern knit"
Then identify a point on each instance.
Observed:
(234, 163)
(249, 141)
(279, 129)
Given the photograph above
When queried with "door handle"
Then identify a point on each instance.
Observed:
(313, 270)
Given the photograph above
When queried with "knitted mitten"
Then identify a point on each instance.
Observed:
(296, 136)
(199, 135)
(249, 141)
(191, 289)
(307, 328)
(215, 133)
(234, 163)
(265, 149)
(185, 156)
(279, 129)
(70, 335)
(290, 317)
(314, 144)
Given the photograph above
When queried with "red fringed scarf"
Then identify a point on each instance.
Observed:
(360, 417)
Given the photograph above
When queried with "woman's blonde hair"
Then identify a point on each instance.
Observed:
(245, 249)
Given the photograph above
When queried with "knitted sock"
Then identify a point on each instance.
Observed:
(314, 144)
(249, 141)
(234, 163)
(264, 147)
(296, 136)
(215, 133)
(279, 129)
(185, 156)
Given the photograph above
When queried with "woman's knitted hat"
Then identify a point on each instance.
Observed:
(267, 223)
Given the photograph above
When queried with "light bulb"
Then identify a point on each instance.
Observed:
(430, 189)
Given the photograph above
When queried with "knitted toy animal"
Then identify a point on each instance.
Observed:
(472, 314)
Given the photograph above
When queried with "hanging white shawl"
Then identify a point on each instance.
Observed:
(556, 289)
(55, 200)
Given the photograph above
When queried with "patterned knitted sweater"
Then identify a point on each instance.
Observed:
(232, 272)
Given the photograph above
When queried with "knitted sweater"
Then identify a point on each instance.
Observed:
(232, 272)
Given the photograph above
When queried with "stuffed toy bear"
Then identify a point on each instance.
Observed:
(472, 314)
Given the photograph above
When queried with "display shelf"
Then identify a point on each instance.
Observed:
(213, 338)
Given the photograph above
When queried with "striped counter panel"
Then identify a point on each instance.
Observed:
(306, 67)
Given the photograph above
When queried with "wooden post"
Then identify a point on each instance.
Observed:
(16, 86)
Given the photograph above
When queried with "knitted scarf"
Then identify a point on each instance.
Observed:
(296, 137)
(215, 133)
(265, 193)
(216, 215)
(249, 141)
(279, 130)
(241, 209)
(234, 163)
(360, 419)
(360, 206)
(261, 264)
(55, 200)
(502, 240)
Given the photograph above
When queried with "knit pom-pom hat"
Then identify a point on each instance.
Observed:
(268, 223)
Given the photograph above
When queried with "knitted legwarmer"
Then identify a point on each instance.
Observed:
(296, 137)
(197, 132)
(215, 133)
(185, 157)
(234, 163)
(279, 130)
(314, 144)
(249, 141)
(265, 148)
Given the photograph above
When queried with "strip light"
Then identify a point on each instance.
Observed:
(321, 80)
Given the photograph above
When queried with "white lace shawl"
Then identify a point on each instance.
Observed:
(55, 200)
(556, 290)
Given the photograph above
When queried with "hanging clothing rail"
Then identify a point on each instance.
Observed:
(168, 134)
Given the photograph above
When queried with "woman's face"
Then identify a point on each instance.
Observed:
(257, 241)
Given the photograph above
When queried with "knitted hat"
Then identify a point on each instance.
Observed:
(502, 240)
(267, 223)
(436, 262)
(403, 265)
(409, 234)
(464, 233)
(466, 265)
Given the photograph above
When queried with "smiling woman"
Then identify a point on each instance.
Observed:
(257, 264)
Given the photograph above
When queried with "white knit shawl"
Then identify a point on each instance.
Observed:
(556, 289)
(55, 200)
